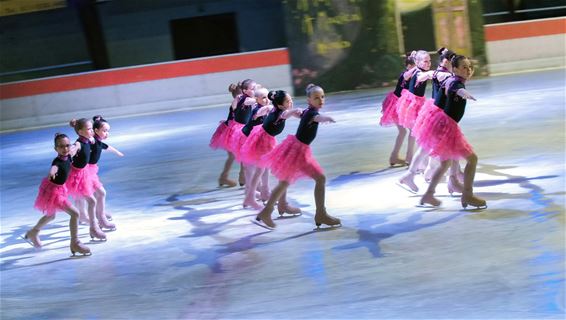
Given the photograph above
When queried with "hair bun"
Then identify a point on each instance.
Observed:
(73, 122)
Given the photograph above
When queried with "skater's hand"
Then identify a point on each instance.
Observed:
(53, 172)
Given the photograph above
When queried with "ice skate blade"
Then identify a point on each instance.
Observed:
(473, 208)
(78, 255)
(23, 236)
(286, 215)
(261, 224)
(96, 240)
(427, 206)
(397, 165)
(405, 187)
(322, 228)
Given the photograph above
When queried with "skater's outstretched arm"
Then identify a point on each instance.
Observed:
(291, 113)
(263, 111)
(115, 151)
(323, 119)
(465, 94)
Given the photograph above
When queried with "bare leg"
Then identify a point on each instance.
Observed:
(469, 176)
(100, 195)
(95, 231)
(394, 157)
(428, 197)
(242, 176)
(264, 190)
(284, 207)
(321, 216)
(265, 214)
(81, 206)
(252, 176)
(76, 245)
(453, 184)
(32, 236)
(408, 178)
(223, 180)
(410, 149)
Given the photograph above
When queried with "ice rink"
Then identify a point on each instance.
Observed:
(186, 249)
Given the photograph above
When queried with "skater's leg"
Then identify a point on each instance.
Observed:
(100, 196)
(252, 176)
(75, 245)
(80, 204)
(321, 216)
(394, 157)
(468, 197)
(428, 197)
(408, 178)
(94, 230)
(265, 214)
(223, 179)
(32, 235)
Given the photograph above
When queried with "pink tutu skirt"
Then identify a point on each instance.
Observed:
(441, 137)
(292, 160)
(237, 140)
(80, 182)
(218, 139)
(257, 145)
(427, 111)
(96, 184)
(51, 198)
(389, 110)
(409, 110)
(233, 128)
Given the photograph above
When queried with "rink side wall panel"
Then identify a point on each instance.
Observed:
(185, 84)
(526, 45)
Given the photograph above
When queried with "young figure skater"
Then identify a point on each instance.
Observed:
(242, 107)
(52, 197)
(219, 140)
(80, 181)
(101, 132)
(442, 137)
(389, 111)
(262, 103)
(260, 142)
(292, 159)
(439, 76)
(412, 100)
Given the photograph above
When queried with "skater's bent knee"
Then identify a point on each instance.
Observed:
(472, 159)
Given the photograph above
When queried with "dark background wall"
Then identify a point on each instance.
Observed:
(134, 32)
(346, 44)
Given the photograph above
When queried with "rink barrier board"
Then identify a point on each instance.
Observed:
(170, 86)
(526, 45)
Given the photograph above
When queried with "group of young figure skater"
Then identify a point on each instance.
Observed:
(433, 125)
(74, 172)
(248, 135)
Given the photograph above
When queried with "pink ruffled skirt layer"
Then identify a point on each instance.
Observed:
(441, 137)
(427, 111)
(292, 160)
(93, 168)
(51, 198)
(389, 111)
(408, 108)
(80, 182)
(237, 140)
(218, 139)
(258, 144)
